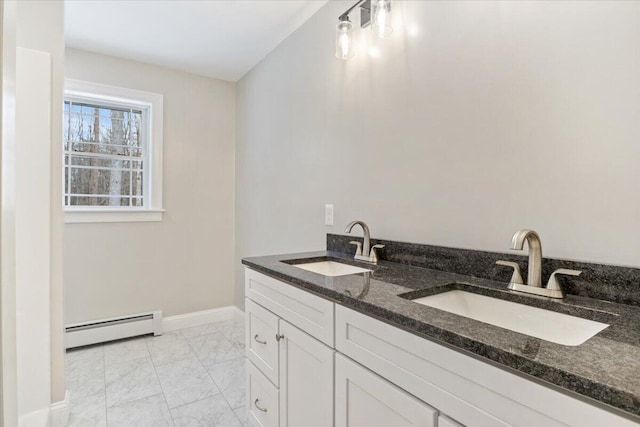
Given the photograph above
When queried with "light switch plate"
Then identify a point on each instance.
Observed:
(328, 214)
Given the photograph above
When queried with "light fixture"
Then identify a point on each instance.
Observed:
(344, 39)
(376, 13)
(381, 18)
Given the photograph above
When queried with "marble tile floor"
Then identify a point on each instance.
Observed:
(192, 377)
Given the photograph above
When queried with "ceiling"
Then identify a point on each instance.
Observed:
(216, 38)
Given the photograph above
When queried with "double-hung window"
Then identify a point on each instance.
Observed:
(112, 154)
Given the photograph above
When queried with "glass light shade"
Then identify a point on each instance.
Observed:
(381, 18)
(344, 40)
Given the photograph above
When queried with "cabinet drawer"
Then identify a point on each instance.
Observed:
(262, 347)
(365, 399)
(262, 399)
(306, 311)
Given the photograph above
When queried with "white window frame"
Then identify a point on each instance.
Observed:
(152, 103)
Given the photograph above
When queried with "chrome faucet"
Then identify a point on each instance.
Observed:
(534, 275)
(366, 248)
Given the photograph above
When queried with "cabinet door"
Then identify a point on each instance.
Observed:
(365, 399)
(306, 379)
(261, 344)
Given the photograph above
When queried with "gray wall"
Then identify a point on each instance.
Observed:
(184, 263)
(478, 119)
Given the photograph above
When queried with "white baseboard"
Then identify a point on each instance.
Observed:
(199, 318)
(39, 418)
(60, 412)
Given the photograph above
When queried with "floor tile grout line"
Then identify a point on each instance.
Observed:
(194, 358)
(244, 379)
(222, 393)
(104, 370)
(157, 364)
(216, 331)
(73, 397)
(211, 397)
(208, 374)
(223, 337)
(194, 351)
(155, 371)
(219, 330)
(199, 400)
(182, 336)
(127, 340)
(147, 357)
(130, 402)
(243, 356)
(214, 381)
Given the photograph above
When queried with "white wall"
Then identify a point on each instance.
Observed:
(491, 117)
(40, 26)
(185, 262)
(8, 351)
(33, 234)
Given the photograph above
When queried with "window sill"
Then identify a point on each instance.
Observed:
(79, 216)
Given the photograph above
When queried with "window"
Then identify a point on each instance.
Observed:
(112, 154)
(104, 154)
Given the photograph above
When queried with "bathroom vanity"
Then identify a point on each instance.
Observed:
(328, 345)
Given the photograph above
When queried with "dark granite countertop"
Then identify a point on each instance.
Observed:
(605, 368)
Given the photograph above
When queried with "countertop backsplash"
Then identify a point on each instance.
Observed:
(600, 281)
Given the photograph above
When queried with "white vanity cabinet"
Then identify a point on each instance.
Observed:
(470, 391)
(289, 368)
(379, 375)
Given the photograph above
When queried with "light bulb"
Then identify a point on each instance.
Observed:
(374, 52)
(381, 18)
(413, 30)
(344, 39)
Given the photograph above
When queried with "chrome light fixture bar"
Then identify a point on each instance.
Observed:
(365, 13)
(379, 10)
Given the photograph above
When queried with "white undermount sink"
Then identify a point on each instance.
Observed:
(536, 322)
(331, 268)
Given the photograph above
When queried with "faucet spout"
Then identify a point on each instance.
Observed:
(366, 246)
(534, 277)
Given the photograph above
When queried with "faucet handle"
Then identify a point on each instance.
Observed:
(516, 277)
(553, 283)
(373, 255)
(358, 248)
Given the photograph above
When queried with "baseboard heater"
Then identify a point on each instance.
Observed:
(115, 328)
